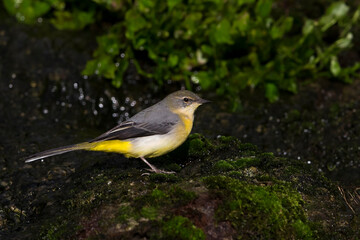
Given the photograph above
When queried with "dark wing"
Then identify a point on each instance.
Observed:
(130, 129)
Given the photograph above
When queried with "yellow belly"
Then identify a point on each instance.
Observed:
(157, 145)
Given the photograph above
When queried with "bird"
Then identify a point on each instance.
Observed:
(152, 132)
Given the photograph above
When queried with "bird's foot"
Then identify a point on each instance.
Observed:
(154, 169)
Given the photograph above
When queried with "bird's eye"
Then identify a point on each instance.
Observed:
(186, 100)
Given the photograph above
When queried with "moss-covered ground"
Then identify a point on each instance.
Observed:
(223, 189)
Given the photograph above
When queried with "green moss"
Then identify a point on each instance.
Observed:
(293, 115)
(302, 230)
(169, 197)
(197, 145)
(239, 163)
(149, 212)
(228, 140)
(223, 166)
(247, 149)
(58, 229)
(273, 211)
(125, 212)
(180, 196)
(173, 167)
(181, 228)
(161, 177)
(245, 162)
(253, 196)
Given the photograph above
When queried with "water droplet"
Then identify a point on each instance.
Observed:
(11, 85)
(133, 103)
(195, 79)
(45, 111)
(76, 85)
(113, 100)
(13, 76)
(40, 20)
(101, 105)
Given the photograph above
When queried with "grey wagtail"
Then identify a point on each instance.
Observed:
(152, 132)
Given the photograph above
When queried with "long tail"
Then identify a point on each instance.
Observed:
(60, 150)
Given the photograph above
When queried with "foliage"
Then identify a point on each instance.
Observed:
(222, 45)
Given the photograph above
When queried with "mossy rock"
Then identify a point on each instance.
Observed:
(225, 190)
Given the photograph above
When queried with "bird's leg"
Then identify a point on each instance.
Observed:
(154, 169)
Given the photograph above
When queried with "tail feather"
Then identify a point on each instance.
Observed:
(57, 151)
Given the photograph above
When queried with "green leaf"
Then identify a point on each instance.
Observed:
(204, 79)
(263, 8)
(242, 23)
(119, 75)
(145, 5)
(344, 42)
(281, 27)
(292, 87)
(172, 3)
(191, 23)
(335, 67)
(72, 20)
(134, 23)
(109, 44)
(337, 10)
(90, 67)
(102, 65)
(271, 92)
(308, 27)
(27, 10)
(221, 33)
(242, 2)
(139, 43)
(173, 60)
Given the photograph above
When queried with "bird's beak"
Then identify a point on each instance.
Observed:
(202, 101)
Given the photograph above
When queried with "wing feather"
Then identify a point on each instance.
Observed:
(157, 119)
(130, 129)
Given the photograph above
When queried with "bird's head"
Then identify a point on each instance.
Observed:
(184, 102)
